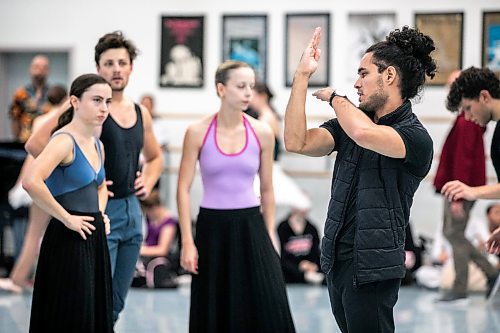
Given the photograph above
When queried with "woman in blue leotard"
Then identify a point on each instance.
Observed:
(72, 291)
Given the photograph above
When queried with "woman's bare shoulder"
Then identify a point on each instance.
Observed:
(201, 125)
(195, 132)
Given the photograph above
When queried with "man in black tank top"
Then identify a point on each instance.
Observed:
(476, 92)
(126, 132)
(122, 162)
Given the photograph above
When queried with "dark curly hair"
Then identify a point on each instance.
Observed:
(408, 51)
(114, 40)
(469, 84)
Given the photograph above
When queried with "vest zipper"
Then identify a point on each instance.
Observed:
(354, 247)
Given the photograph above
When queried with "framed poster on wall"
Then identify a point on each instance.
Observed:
(244, 38)
(364, 31)
(181, 58)
(491, 41)
(446, 30)
(299, 29)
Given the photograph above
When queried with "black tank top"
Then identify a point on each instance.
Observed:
(123, 146)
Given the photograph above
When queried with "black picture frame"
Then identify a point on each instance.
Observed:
(181, 55)
(299, 28)
(490, 56)
(365, 29)
(244, 38)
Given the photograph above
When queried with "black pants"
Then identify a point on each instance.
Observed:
(366, 308)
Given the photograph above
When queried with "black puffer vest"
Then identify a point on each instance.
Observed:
(385, 195)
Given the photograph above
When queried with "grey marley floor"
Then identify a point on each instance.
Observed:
(166, 311)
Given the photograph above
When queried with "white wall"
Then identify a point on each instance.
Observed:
(76, 25)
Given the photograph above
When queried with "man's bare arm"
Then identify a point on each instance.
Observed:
(42, 128)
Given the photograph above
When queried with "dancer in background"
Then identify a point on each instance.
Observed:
(462, 158)
(286, 191)
(299, 244)
(18, 279)
(30, 101)
(157, 266)
(149, 103)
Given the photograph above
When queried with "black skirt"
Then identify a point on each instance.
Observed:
(240, 286)
(72, 291)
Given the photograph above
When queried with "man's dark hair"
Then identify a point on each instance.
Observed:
(469, 84)
(56, 94)
(262, 88)
(152, 200)
(115, 40)
(408, 51)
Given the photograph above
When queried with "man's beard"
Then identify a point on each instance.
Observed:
(375, 101)
(39, 80)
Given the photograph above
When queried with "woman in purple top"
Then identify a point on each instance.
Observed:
(161, 227)
(237, 280)
(158, 265)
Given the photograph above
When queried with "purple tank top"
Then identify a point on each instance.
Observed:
(153, 233)
(228, 178)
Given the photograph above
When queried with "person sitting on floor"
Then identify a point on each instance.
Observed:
(299, 242)
(157, 266)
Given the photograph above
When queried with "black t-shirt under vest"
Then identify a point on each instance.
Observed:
(122, 146)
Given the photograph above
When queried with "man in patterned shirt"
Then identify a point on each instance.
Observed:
(30, 101)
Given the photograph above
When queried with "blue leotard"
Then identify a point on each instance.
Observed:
(74, 185)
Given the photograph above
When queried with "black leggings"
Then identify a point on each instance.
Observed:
(365, 308)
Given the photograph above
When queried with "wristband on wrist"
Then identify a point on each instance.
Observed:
(332, 96)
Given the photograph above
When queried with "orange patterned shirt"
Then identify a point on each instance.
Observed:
(26, 107)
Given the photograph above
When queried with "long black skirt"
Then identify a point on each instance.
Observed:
(72, 291)
(240, 286)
